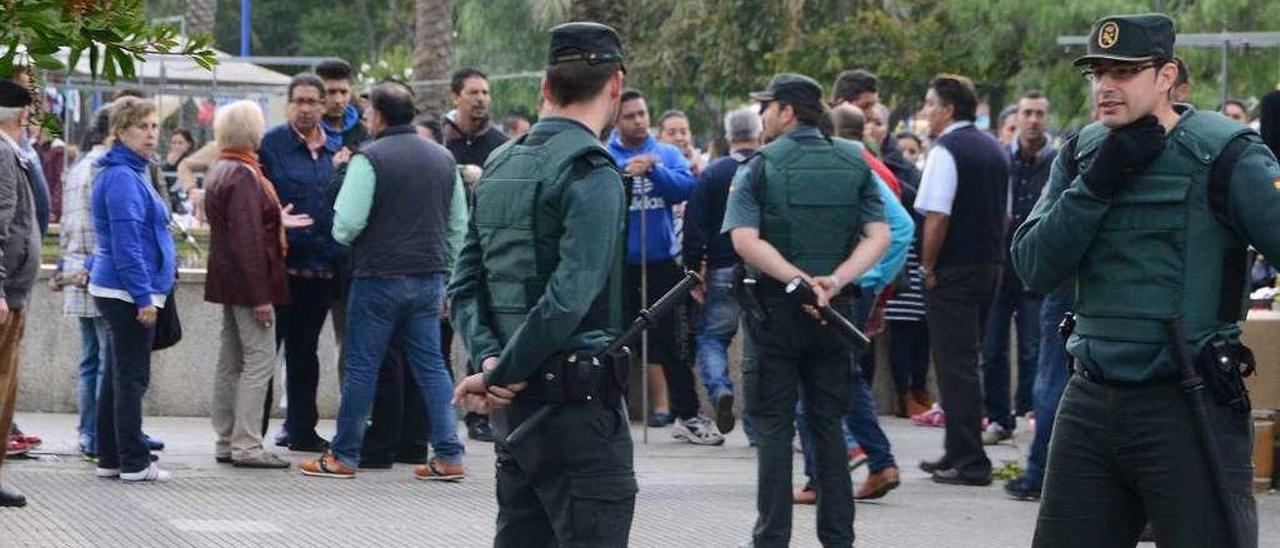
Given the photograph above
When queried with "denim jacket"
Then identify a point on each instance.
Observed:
(302, 180)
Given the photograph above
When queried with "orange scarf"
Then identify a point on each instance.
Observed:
(250, 158)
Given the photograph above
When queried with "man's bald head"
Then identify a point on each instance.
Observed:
(848, 121)
(394, 103)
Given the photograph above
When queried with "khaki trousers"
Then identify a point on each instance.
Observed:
(10, 344)
(245, 363)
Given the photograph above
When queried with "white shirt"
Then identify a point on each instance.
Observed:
(938, 182)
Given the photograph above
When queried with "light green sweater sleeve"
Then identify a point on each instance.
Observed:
(458, 218)
(351, 210)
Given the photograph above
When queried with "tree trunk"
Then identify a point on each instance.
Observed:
(432, 53)
(201, 16)
(609, 12)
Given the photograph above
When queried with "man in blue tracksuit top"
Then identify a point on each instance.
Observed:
(660, 180)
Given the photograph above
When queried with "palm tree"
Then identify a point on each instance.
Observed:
(432, 52)
(201, 16)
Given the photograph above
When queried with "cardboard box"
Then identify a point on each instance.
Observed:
(1262, 335)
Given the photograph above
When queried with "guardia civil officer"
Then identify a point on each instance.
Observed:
(1150, 210)
(532, 285)
(804, 206)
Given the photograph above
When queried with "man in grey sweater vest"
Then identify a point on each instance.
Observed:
(398, 210)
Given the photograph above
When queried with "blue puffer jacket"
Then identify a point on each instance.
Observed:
(135, 250)
(304, 182)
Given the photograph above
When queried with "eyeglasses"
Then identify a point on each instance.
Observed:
(308, 102)
(1121, 73)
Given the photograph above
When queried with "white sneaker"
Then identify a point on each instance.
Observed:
(995, 434)
(152, 473)
(697, 430)
(107, 473)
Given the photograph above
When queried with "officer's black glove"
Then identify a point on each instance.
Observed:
(1124, 153)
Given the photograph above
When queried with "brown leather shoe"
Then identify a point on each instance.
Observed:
(914, 407)
(878, 484)
(327, 466)
(923, 397)
(438, 470)
(805, 495)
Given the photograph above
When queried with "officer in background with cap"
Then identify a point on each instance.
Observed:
(1150, 210)
(536, 280)
(804, 206)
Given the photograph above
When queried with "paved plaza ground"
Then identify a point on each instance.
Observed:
(689, 497)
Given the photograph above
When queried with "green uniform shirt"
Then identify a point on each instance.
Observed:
(594, 207)
(1055, 240)
(744, 210)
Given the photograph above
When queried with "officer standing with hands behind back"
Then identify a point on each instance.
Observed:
(805, 206)
(535, 282)
(1151, 210)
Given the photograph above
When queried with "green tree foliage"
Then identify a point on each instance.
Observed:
(703, 56)
(114, 34)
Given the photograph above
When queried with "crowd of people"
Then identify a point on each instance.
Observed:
(357, 215)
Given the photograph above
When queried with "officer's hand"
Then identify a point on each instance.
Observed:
(471, 392)
(826, 288)
(502, 396)
(1125, 152)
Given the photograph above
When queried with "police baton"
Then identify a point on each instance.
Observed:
(644, 320)
(1193, 386)
(802, 292)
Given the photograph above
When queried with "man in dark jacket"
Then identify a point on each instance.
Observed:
(298, 159)
(710, 252)
(19, 254)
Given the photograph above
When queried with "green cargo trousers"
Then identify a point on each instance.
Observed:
(569, 483)
(1121, 455)
(792, 352)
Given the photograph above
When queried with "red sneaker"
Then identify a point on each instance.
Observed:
(933, 417)
(33, 441)
(17, 448)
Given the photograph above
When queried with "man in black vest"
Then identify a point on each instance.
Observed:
(963, 196)
(394, 212)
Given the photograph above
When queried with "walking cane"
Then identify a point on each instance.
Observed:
(1193, 386)
(644, 300)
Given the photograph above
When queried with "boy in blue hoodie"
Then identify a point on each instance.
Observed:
(660, 180)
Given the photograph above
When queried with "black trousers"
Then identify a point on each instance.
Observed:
(298, 326)
(664, 336)
(794, 354)
(398, 426)
(570, 483)
(1123, 455)
(121, 443)
(958, 309)
(909, 355)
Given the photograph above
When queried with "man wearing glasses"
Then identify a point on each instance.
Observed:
(1150, 210)
(298, 159)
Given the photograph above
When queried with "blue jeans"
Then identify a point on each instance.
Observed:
(1051, 379)
(1024, 308)
(120, 441)
(720, 315)
(861, 421)
(93, 353)
(407, 307)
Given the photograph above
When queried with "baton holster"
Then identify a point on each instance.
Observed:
(1224, 364)
(581, 377)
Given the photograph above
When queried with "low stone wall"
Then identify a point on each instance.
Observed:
(182, 376)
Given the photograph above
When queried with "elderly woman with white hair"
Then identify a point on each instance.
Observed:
(246, 275)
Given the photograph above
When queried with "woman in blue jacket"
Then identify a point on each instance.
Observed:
(133, 271)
